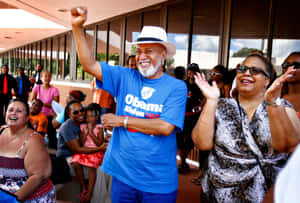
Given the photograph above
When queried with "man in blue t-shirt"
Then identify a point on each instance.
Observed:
(141, 156)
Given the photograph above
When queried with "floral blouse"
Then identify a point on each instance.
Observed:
(242, 164)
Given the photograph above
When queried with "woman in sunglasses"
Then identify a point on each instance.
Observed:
(292, 85)
(287, 182)
(68, 140)
(244, 134)
(219, 74)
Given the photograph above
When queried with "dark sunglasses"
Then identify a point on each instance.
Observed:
(252, 70)
(285, 65)
(77, 111)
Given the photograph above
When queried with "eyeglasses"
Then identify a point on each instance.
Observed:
(77, 111)
(252, 70)
(285, 65)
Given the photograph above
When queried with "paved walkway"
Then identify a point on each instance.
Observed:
(188, 192)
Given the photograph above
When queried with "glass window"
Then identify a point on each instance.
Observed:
(178, 32)
(132, 31)
(101, 43)
(23, 57)
(152, 17)
(249, 29)
(27, 59)
(43, 54)
(61, 56)
(47, 55)
(114, 42)
(205, 40)
(53, 56)
(286, 31)
(67, 55)
(80, 74)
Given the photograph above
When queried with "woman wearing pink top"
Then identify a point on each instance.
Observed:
(47, 93)
(91, 135)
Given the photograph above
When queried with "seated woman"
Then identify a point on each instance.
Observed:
(73, 95)
(24, 161)
(91, 135)
(68, 141)
(245, 135)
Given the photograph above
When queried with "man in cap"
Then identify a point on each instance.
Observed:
(141, 156)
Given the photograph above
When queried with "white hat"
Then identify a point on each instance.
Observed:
(156, 35)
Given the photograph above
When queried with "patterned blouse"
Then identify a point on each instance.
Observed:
(242, 164)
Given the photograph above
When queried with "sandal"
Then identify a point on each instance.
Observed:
(81, 196)
(197, 180)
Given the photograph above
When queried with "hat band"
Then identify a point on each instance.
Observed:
(145, 39)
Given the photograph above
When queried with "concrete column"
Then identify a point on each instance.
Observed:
(72, 58)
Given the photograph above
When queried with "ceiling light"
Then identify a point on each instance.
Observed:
(8, 37)
(63, 10)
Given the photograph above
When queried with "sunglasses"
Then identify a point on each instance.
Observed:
(77, 111)
(215, 74)
(252, 70)
(285, 65)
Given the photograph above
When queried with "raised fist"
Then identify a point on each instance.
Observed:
(78, 16)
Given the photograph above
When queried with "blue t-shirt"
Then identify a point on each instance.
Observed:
(67, 132)
(145, 162)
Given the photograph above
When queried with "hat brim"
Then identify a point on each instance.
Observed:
(170, 47)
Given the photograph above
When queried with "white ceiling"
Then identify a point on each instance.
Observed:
(50, 10)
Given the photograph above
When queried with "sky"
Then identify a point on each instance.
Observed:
(10, 18)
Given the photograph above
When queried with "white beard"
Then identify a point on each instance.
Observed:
(151, 70)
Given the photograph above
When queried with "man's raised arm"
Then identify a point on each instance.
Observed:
(78, 16)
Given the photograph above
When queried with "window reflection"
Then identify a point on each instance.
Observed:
(286, 31)
(132, 31)
(205, 40)
(249, 29)
(152, 17)
(178, 32)
(67, 55)
(114, 42)
(101, 43)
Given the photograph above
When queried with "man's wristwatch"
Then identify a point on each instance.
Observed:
(125, 121)
(276, 102)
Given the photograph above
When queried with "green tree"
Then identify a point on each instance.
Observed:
(243, 52)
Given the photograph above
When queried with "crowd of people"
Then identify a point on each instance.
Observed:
(245, 130)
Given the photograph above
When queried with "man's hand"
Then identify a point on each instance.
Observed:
(112, 120)
(78, 16)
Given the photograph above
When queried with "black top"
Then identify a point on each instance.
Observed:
(26, 85)
(11, 84)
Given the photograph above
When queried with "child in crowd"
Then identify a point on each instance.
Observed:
(91, 135)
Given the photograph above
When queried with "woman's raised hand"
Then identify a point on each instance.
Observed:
(209, 91)
(78, 16)
(274, 90)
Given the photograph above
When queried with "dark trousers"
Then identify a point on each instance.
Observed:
(3, 107)
(51, 132)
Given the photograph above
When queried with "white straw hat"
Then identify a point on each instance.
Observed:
(156, 35)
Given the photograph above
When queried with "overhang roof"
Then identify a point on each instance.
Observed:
(56, 11)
